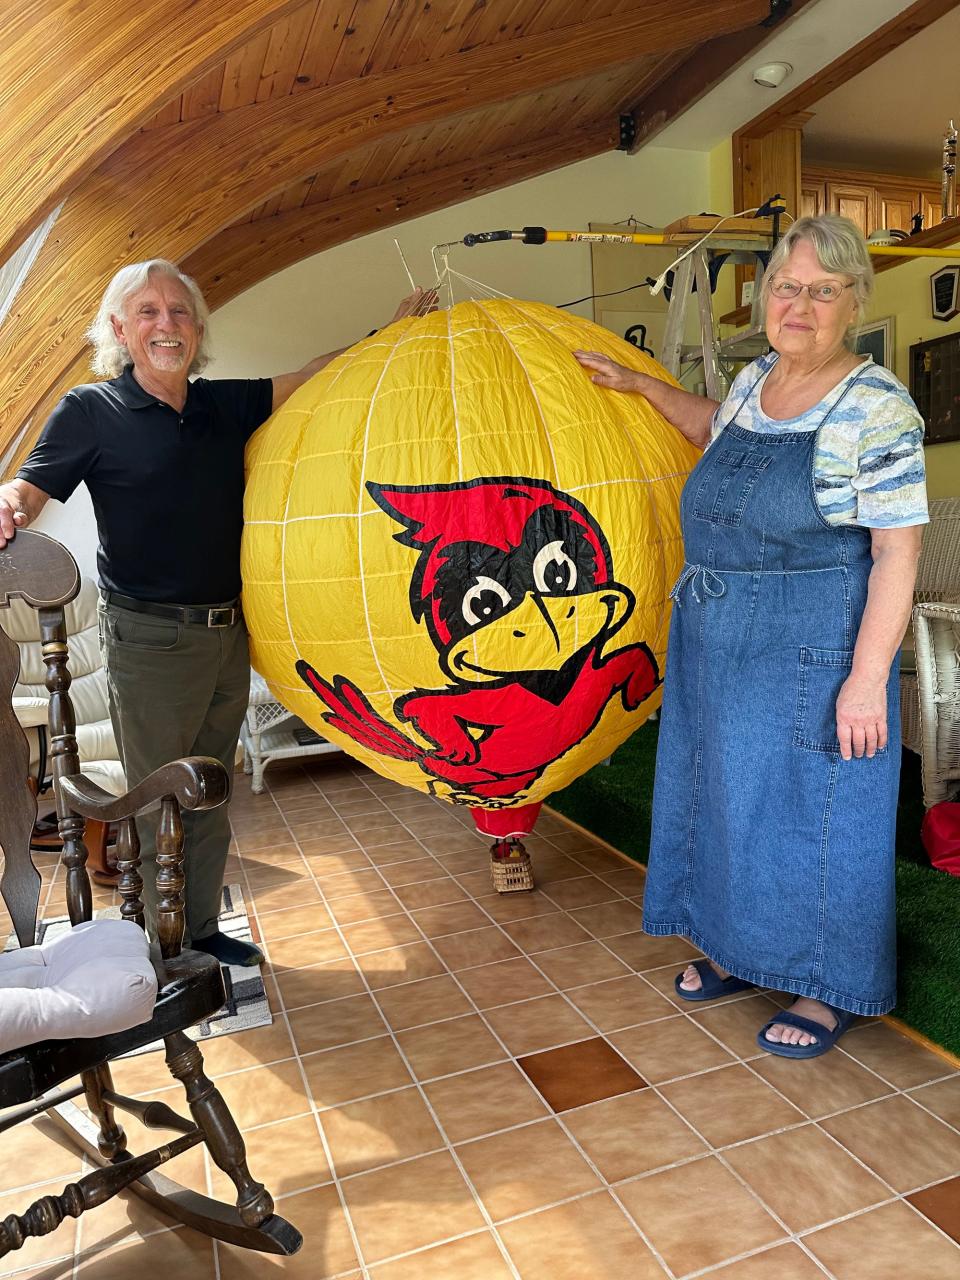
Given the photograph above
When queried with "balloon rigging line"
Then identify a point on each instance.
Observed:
(413, 283)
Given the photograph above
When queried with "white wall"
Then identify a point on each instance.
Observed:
(336, 297)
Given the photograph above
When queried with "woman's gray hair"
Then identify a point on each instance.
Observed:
(110, 356)
(842, 251)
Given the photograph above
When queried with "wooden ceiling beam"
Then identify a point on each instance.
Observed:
(167, 191)
(79, 79)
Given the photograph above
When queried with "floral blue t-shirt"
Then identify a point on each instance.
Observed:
(868, 467)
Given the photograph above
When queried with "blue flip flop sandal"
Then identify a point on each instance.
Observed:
(712, 986)
(826, 1038)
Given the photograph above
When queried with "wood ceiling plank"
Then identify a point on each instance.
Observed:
(493, 23)
(403, 18)
(359, 38)
(322, 44)
(203, 96)
(227, 163)
(295, 197)
(324, 178)
(288, 39)
(167, 115)
(241, 74)
(439, 37)
(49, 139)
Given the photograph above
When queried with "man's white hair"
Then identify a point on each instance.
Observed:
(110, 356)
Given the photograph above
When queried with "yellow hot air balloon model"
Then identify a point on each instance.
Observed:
(458, 554)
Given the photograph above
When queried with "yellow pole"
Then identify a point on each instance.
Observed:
(895, 251)
(655, 237)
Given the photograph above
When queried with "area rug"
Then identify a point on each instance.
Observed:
(246, 1004)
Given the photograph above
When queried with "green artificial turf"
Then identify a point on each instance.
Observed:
(614, 801)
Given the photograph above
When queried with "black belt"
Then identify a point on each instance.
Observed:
(218, 616)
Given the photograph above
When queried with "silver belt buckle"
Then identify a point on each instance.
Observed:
(221, 617)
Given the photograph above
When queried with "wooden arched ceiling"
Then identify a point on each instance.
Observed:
(334, 119)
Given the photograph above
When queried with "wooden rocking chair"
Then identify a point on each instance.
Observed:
(190, 985)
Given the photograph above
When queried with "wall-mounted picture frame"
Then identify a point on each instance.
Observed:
(877, 339)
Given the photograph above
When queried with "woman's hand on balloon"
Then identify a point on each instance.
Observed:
(607, 373)
(861, 717)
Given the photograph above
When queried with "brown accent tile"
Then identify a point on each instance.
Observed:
(307, 949)
(621, 1002)
(805, 1178)
(889, 1243)
(669, 1208)
(416, 1003)
(587, 1239)
(399, 964)
(484, 1101)
(674, 1047)
(503, 983)
(412, 871)
(943, 1099)
(585, 891)
(184, 1254)
(264, 1094)
(641, 951)
(531, 1025)
(941, 1204)
(445, 1047)
(364, 906)
(409, 1206)
(294, 920)
(378, 1131)
(327, 1251)
(456, 917)
(831, 1083)
(475, 947)
(899, 1060)
(331, 981)
(632, 1134)
(736, 1023)
(546, 933)
(526, 1168)
(382, 934)
(475, 1257)
(577, 1074)
(285, 1157)
(354, 1071)
(610, 918)
(783, 1262)
(583, 963)
(430, 893)
(324, 1026)
(896, 1139)
(730, 1105)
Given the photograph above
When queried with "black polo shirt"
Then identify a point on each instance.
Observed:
(167, 488)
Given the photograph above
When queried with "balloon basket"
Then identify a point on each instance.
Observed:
(510, 867)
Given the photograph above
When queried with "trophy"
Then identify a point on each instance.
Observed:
(948, 187)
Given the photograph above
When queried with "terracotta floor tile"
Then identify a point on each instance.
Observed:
(585, 891)
(375, 838)
(399, 964)
(143, 1073)
(546, 933)
(364, 906)
(580, 1073)
(342, 884)
(430, 893)
(354, 1071)
(730, 1105)
(377, 1131)
(293, 920)
(889, 1243)
(35, 1146)
(899, 1060)
(466, 860)
(184, 1254)
(306, 827)
(445, 1047)
(805, 1178)
(264, 1094)
(416, 1003)
(409, 1206)
(904, 1145)
(381, 934)
(475, 947)
(834, 1082)
(413, 871)
(943, 1099)
(327, 864)
(307, 949)
(455, 917)
(578, 965)
(476, 1257)
(782, 1262)
(484, 1101)
(507, 907)
(941, 1204)
(341, 845)
(503, 983)
(552, 867)
(669, 1208)
(525, 1169)
(257, 1047)
(621, 1002)
(632, 1134)
(629, 881)
(673, 1047)
(273, 897)
(325, 1026)
(532, 1025)
(610, 918)
(327, 1250)
(735, 1024)
(478, 885)
(285, 1157)
(331, 981)
(588, 1239)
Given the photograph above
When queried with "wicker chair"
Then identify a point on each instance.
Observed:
(932, 722)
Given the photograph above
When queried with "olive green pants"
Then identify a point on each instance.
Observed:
(177, 689)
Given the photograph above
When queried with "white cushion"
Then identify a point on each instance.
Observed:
(93, 980)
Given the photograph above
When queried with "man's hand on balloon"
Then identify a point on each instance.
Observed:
(418, 303)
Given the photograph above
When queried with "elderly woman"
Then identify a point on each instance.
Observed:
(778, 762)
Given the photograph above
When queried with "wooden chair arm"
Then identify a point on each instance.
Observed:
(196, 782)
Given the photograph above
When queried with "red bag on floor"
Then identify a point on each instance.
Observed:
(940, 833)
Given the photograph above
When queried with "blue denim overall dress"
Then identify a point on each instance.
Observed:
(769, 851)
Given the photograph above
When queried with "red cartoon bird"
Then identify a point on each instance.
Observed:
(515, 583)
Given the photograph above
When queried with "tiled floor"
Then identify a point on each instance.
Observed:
(463, 1086)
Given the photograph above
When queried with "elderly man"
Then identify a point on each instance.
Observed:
(162, 458)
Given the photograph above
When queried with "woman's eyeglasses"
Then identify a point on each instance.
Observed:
(819, 291)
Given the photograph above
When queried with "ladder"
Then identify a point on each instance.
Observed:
(692, 277)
